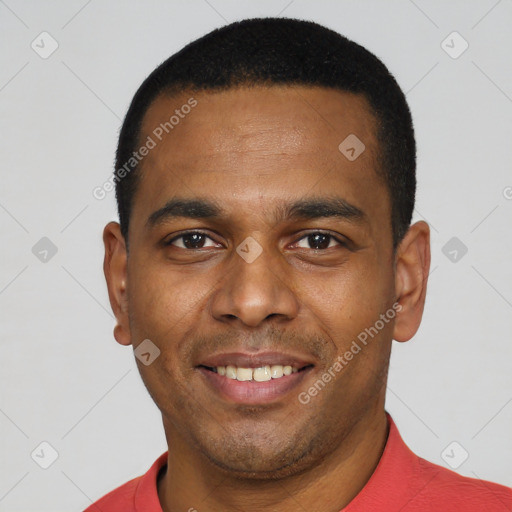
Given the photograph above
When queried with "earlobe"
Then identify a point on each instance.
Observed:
(115, 269)
(412, 269)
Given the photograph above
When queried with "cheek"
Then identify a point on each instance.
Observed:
(349, 307)
(349, 301)
(163, 309)
(161, 300)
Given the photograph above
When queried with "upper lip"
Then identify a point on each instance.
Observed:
(255, 360)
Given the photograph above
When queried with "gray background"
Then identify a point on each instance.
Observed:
(65, 380)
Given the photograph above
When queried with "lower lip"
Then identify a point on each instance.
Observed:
(252, 392)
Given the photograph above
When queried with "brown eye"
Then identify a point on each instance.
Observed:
(319, 241)
(191, 240)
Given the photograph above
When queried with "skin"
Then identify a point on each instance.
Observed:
(252, 150)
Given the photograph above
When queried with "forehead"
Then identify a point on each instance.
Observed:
(312, 119)
(257, 144)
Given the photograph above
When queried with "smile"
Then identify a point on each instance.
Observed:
(260, 374)
(257, 385)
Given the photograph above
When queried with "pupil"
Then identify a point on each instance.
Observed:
(196, 237)
(319, 240)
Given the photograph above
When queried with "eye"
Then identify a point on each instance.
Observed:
(320, 240)
(191, 240)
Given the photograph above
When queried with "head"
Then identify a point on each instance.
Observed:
(266, 221)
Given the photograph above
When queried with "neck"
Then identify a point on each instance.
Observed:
(191, 483)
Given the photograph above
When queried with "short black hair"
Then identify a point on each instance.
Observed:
(283, 51)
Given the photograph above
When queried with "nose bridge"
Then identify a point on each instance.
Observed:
(253, 288)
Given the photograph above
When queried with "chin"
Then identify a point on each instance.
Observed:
(262, 471)
(257, 460)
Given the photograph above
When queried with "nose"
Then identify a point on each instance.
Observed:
(255, 290)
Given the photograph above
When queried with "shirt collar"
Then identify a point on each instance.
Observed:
(394, 481)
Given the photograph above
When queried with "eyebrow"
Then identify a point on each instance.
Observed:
(302, 209)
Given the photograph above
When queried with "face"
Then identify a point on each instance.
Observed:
(255, 245)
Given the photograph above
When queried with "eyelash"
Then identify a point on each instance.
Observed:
(196, 232)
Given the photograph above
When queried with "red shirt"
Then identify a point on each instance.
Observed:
(402, 482)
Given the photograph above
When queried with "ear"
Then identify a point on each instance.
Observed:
(115, 269)
(412, 263)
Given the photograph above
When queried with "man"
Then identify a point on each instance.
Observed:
(263, 264)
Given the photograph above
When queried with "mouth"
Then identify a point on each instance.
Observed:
(253, 379)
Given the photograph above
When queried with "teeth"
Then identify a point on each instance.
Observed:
(230, 372)
(276, 371)
(261, 374)
(244, 374)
